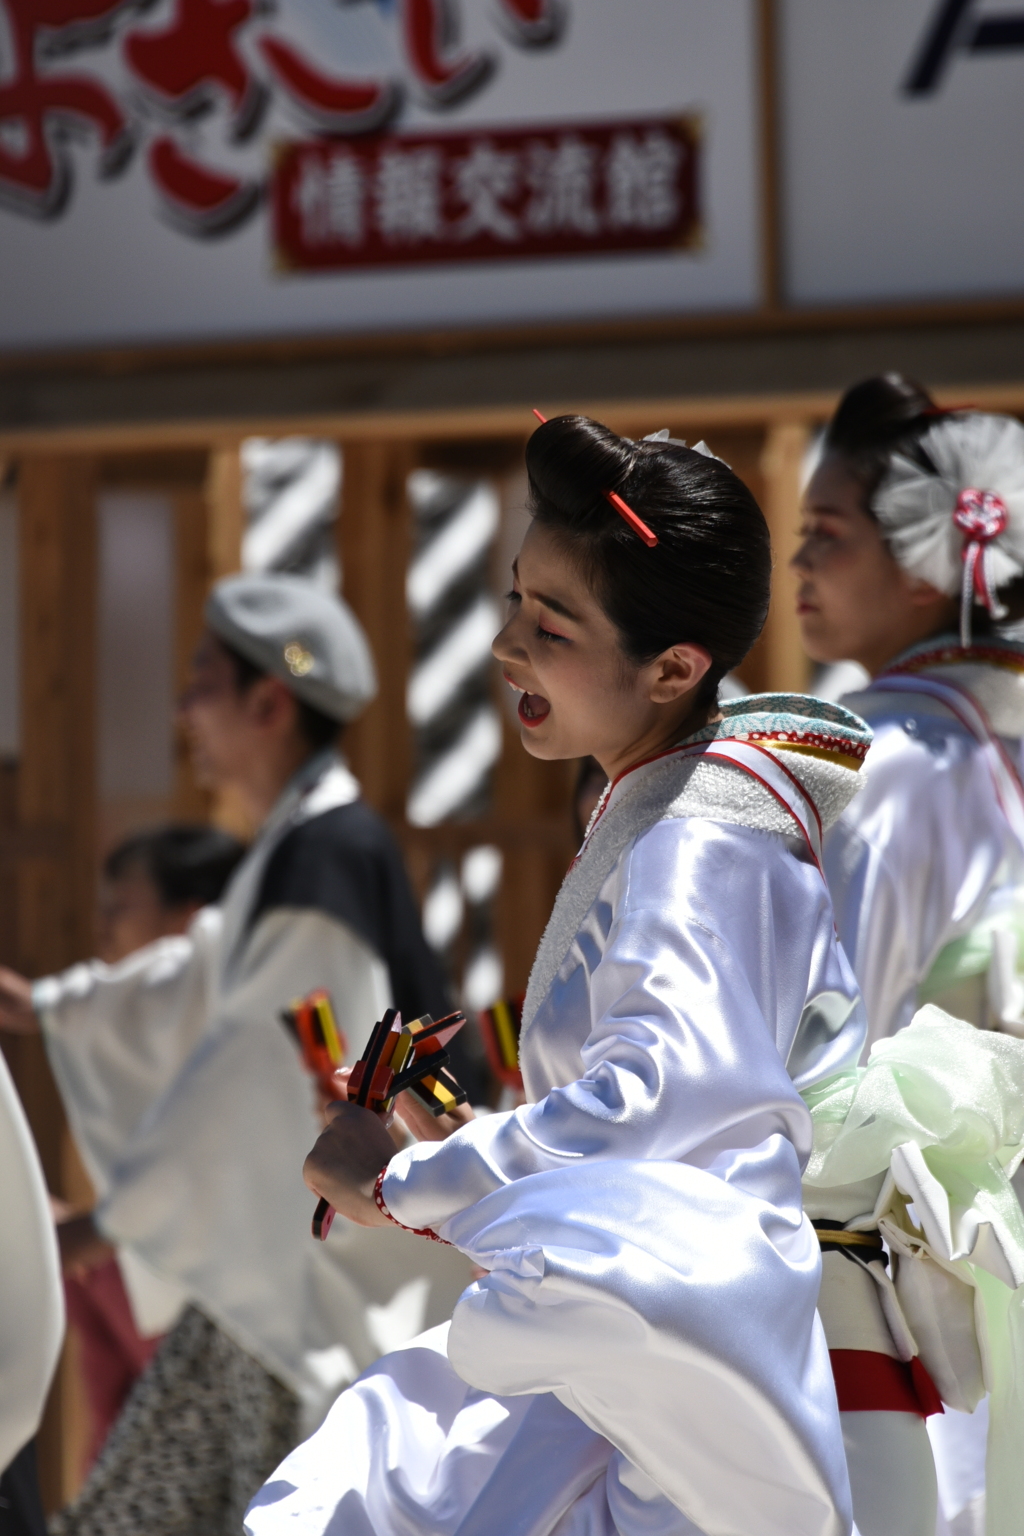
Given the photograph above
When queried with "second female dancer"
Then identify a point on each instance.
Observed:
(643, 1353)
(912, 563)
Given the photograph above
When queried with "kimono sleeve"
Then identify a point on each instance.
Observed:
(117, 1035)
(682, 1059)
(32, 1314)
(909, 864)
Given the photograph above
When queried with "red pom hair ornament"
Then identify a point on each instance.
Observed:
(981, 517)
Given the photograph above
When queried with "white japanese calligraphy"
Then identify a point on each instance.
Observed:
(642, 189)
(484, 180)
(561, 181)
(330, 200)
(407, 194)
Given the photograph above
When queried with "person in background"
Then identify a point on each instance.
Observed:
(912, 559)
(152, 886)
(31, 1314)
(178, 1052)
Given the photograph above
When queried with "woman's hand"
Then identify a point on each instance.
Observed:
(343, 1166)
(17, 1016)
(82, 1246)
(424, 1126)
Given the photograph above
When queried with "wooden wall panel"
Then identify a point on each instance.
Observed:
(192, 558)
(786, 665)
(225, 511)
(225, 522)
(374, 540)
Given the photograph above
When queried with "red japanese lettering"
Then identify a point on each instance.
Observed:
(332, 105)
(428, 29)
(185, 62)
(533, 22)
(201, 201)
(35, 109)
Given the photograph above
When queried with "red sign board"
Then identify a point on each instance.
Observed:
(565, 190)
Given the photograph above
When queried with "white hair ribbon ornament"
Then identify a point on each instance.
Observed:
(665, 436)
(954, 516)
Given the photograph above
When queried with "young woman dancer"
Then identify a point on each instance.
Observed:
(642, 1355)
(913, 556)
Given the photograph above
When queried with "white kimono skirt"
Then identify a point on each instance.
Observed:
(926, 870)
(643, 1355)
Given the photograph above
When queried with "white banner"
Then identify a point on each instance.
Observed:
(902, 126)
(141, 145)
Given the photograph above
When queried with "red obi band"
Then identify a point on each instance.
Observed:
(867, 1382)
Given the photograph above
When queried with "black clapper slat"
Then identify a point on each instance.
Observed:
(371, 1056)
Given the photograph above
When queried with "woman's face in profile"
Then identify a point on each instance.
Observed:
(854, 602)
(581, 695)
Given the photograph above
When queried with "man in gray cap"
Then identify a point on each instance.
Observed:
(192, 1109)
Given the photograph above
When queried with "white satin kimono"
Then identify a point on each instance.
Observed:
(915, 861)
(643, 1355)
(925, 868)
(31, 1295)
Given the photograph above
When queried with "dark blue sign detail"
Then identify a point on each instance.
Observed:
(956, 29)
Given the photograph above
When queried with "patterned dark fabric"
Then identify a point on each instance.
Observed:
(21, 1510)
(203, 1429)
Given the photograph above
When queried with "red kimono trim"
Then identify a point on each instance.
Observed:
(868, 1382)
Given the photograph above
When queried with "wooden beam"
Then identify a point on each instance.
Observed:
(512, 336)
(225, 524)
(226, 518)
(374, 541)
(55, 858)
(57, 781)
(191, 584)
(628, 416)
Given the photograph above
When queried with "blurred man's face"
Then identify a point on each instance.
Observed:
(131, 914)
(235, 734)
(216, 716)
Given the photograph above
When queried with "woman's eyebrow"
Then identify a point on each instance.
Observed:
(549, 602)
(553, 604)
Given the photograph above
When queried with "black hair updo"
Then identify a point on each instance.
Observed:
(876, 418)
(708, 580)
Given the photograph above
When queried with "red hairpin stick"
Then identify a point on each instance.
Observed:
(627, 514)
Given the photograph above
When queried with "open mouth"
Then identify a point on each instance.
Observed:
(533, 709)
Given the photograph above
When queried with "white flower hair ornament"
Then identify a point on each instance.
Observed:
(960, 529)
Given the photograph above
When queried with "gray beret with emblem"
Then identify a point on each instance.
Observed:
(299, 633)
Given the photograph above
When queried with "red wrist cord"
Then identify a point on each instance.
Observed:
(378, 1200)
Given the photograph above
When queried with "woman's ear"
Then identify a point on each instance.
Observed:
(676, 672)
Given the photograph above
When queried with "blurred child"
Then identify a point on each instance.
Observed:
(152, 886)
